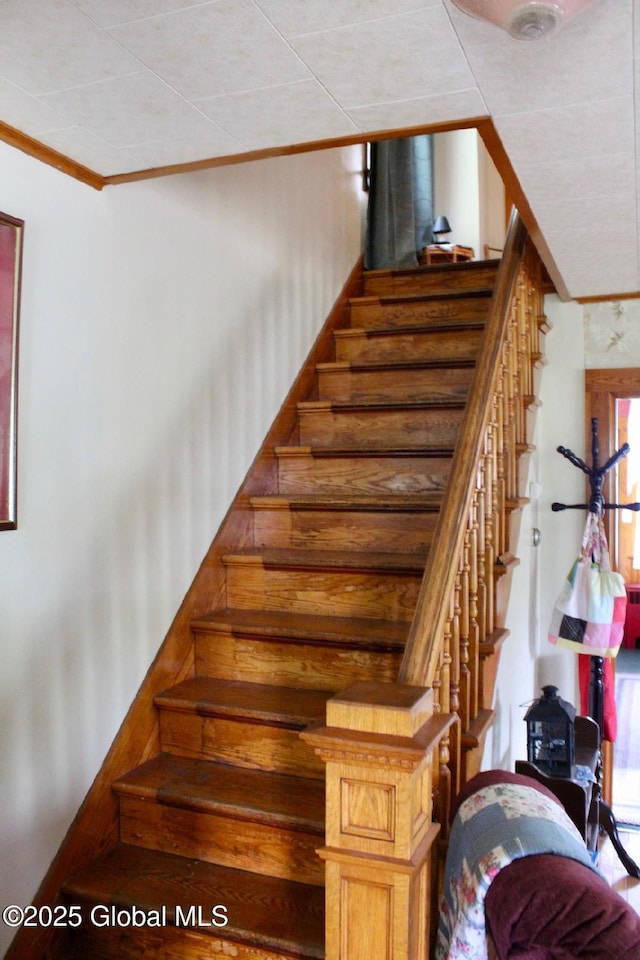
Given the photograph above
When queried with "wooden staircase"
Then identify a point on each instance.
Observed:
(312, 586)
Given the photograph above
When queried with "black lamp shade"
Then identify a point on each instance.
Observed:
(551, 734)
(441, 225)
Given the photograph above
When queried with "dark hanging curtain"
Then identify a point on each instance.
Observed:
(400, 212)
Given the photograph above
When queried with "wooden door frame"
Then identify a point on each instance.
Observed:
(602, 389)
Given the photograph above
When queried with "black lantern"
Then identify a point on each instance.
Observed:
(551, 734)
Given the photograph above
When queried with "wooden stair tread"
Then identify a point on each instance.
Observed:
(347, 631)
(418, 503)
(482, 290)
(258, 702)
(358, 366)
(437, 325)
(344, 406)
(345, 451)
(475, 735)
(329, 559)
(265, 912)
(492, 644)
(237, 792)
(433, 270)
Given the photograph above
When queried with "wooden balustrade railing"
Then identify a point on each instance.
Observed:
(392, 750)
(459, 611)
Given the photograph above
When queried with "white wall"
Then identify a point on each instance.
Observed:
(493, 205)
(162, 325)
(468, 190)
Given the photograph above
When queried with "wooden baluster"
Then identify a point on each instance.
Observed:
(437, 687)
(448, 787)
(524, 366)
(504, 424)
(474, 627)
(530, 313)
(445, 668)
(485, 575)
(489, 541)
(491, 442)
(454, 682)
(520, 411)
(500, 460)
(520, 408)
(464, 627)
(512, 411)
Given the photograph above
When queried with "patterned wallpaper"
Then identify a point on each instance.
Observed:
(612, 334)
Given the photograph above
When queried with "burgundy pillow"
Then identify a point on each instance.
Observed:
(547, 907)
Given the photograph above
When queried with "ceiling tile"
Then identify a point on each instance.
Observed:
(295, 17)
(91, 151)
(583, 178)
(574, 66)
(124, 85)
(582, 129)
(110, 13)
(421, 111)
(134, 109)
(167, 153)
(274, 116)
(384, 60)
(578, 242)
(213, 49)
(51, 46)
(27, 113)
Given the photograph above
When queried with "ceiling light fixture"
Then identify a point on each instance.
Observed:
(524, 19)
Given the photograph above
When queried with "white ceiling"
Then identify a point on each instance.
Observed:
(121, 86)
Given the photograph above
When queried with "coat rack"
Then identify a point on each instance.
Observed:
(596, 504)
(596, 475)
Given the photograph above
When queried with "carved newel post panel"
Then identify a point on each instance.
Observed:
(382, 746)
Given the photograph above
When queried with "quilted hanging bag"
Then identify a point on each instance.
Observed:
(588, 616)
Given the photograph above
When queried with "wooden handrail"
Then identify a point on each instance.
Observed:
(423, 653)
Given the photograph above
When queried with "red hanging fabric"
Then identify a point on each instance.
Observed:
(610, 720)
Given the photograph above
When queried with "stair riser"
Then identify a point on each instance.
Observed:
(305, 473)
(393, 384)
(386, 596)
(375, 313)
(406, 428)
(408, 532)
(165, 943)
(243, 744)
(229, 842)
(321, 667)
(397, 347)
(430, 280)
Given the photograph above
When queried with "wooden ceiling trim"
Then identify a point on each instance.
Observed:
(291, 150)
(51, 157)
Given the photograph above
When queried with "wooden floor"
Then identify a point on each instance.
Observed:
(613, 871)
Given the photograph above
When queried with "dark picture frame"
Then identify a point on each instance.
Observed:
(11, 240)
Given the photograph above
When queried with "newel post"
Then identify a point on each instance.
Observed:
(382, 747)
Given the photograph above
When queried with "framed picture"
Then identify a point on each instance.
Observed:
(11, 233)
